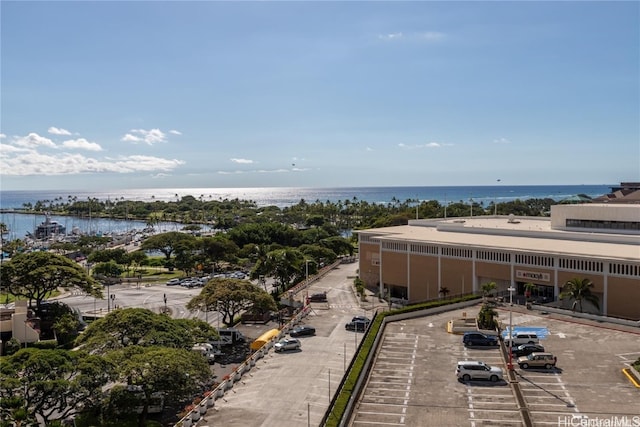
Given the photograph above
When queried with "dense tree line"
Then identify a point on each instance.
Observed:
(226, 214)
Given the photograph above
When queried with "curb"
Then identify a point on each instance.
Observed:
(632, 376)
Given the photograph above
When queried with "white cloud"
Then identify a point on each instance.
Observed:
(242, 161)
(147, 136)
(7, 148)
(368, 149)
(390, 36)
(30, 162)
(426, 36)
(81, 144)
(2, 135)
(147, 163)
(238, 172)
(501, 141)
(131, 138)
(58, 131)
(427, 145)
(34, 140)
(175, 132)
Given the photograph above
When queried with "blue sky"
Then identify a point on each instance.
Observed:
(103, 95)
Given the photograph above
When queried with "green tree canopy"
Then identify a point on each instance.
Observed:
(177, 373)
(51, 384)
(230, 297)
(35, 275)
(108, 271)
(142, 327)
(105, 255)
(339, 245)
(218, 248)
(166, 242)
(284, 265)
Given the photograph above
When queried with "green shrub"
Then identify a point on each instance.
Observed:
(45, 344)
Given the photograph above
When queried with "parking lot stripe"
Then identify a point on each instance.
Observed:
(494, 421)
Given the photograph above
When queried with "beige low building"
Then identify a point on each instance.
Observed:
(598, 242)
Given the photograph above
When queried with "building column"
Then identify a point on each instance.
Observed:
(408, 296)
(556, 289)
(605, 286)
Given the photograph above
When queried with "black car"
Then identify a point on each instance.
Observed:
(361, 319)
(319, 297)
(358, 325)
(526, 349)
(478, 338)
(300, 331)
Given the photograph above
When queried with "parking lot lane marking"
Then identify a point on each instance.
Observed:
(493, 421)
(470, 402)
(378, 423)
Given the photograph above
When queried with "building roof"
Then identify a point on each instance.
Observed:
(527, 234)
(626, 192)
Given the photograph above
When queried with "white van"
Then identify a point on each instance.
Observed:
(521, 338)
(206, 350)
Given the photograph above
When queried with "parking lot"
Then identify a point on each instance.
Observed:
(413, 379)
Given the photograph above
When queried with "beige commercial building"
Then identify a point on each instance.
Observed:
(598, 242)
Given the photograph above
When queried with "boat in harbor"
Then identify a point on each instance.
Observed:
(49, 228)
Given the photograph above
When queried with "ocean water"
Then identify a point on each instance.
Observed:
(287, 196)
(21, 224)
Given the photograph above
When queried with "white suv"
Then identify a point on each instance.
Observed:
(521, 338)
(475, 370)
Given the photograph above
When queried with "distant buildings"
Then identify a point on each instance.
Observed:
(594, 241)
(626, 192)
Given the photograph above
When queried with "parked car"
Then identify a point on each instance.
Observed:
(468, 370)
(303, 330)
(526, 349)
(189, 283)
(358, 326)
(318, 297)
(361, 319)
(521, 338)
(537, 360)
(478, 338)
(287, 344)
(173, 282)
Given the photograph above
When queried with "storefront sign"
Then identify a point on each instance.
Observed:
(533, 275)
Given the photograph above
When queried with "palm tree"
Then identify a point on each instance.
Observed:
(579, 290)
(487, 317)
(528, 290)
(488, 288)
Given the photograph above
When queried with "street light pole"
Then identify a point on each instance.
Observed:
(510, 335)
